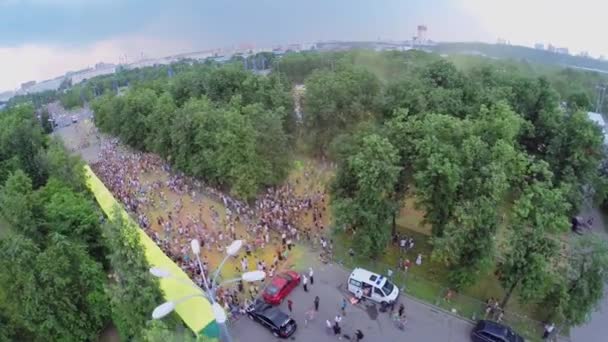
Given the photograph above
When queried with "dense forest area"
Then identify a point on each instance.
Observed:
(66, 273)
(487, 146)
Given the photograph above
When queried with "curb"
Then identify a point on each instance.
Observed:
(438, 309)
(428, 305)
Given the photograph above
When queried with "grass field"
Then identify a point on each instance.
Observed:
(429, 282)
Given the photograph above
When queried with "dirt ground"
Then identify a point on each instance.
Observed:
(307, 178)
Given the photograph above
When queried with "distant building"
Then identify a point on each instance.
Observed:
(562, 50)
(102, 65)
(551, 48)
(502, 41)
(584, 54)
(294, 47)
(602, 58)
(539, 46)
(421, 36)
(26, 85)
(278, 51)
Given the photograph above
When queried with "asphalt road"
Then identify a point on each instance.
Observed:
(596, 330)
(424, 323)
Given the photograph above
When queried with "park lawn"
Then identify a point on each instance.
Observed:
(412, 219)
(429, 282)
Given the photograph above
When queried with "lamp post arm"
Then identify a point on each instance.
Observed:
(219, 268)
(230, 281)
(200, 266)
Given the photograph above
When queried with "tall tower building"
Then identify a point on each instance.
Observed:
(421, 34)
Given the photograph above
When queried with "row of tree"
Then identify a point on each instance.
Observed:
(222, 124)
(486, 154)
(490, 149)
(64, 275)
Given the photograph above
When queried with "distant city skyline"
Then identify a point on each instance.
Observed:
(42, 39)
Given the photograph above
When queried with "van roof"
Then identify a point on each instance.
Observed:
(370, 277)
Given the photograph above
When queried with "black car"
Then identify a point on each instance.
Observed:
(489, 331)
(275, 320)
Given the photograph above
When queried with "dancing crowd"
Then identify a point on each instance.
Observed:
(277, 218)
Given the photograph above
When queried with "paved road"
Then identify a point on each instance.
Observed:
(424, 323)
(596, 330)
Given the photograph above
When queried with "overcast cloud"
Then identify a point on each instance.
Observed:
(40, 39)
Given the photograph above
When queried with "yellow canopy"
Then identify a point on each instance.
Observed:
(196, 312)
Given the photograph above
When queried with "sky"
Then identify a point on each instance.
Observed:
(42, 39)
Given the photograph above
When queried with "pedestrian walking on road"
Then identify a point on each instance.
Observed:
(337, 330)
(305, 283)
(401, 310)
(290, 305)
(548, 330)
(343, 306)
(310, 275)
(317, 303)
(358, 335)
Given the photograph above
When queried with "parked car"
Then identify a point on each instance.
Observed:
(271, 317)
(280, 286)
(373, 286)
(489, 331)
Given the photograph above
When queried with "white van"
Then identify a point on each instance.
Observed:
(373, 286)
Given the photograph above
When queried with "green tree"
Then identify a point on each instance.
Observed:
(579, 101)
(362, 193)
(537, 102)
(407, 93)
(45, 121)
(158, 124)
(529, 265)
(575, 154)
(21, 144)
(138, 105)
(336, 101)
(581, 288)
(457, 160)
(68, 169)
(468, 242)
(16, 203)
(298, 66)
(272, 142)
(133, 293)
(159, 331)
(74, 216)
(56, 292)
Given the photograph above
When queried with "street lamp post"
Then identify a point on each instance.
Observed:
(209, 293)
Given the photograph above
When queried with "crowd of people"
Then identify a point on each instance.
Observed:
(169, 206)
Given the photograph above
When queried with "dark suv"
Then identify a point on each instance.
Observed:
(275, 320)
(489, 331)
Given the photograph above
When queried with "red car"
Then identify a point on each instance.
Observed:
(280, 286)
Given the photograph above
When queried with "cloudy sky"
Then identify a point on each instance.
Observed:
(40, 39)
